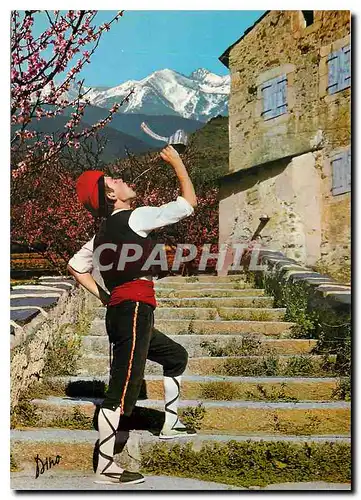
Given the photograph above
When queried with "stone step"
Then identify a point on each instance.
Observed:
(56, 279)
(233, 417)
(228, 365)
(64, 284)
(216, 345)
(174, 285)
(37, 290)
(81, 481)
(52, 435)
(220, 387)
(217, 302)
(226, 313)
(213, 387)
(208, 292)
(210, 327)
(84, 480)
(207, 278)
(214, 327)
(76, 447)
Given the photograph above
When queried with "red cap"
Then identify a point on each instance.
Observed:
(87, 190)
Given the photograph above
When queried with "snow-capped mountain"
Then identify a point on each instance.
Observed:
(200, 96)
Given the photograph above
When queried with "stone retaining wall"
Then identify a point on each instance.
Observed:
(324, 287)
(38, 324)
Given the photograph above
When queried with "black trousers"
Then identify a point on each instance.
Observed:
(130, 328)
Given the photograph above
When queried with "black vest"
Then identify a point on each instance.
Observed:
(115, 230)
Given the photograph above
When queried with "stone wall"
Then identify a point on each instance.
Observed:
(281, 167)
(29, 342)
(326, 293)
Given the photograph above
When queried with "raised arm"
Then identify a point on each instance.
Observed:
(145, 219)
(170, 155)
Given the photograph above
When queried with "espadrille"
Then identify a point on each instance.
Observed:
(176, 432)
(125, 477)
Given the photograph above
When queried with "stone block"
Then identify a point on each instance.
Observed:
(40, 301)
(23, 315)
(29, 344)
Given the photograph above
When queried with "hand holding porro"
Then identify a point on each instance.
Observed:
(178, 140)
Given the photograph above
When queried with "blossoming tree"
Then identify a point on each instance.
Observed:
(45, 83)
(44, 69)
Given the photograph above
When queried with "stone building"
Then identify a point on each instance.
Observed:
(290, 138)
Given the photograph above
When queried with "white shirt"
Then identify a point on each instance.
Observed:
(142, 221)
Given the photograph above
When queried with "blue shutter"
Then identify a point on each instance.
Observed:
(274, 93)
(339, 70)
(333, 71)
(348, 170)
(281, 95)
(268, 100)
(336, 174)
(341, 173)
(345, 68)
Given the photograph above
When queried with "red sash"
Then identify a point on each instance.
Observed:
(137, 290)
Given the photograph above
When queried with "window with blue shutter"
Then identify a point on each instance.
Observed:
(274, 93)
(339, 70)
(341, 173)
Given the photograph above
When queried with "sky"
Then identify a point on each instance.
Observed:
(146, 41)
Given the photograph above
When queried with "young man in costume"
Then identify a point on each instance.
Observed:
(130, 307)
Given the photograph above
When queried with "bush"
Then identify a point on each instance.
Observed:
(24, 415)
(78, 420)
(221, 391)
(248, 367)
(62, 354)
(299, 365)
(63, 351)
(343, 390)
(317, 318)
(193, 416)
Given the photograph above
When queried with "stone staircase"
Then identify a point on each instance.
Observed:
(252, 379)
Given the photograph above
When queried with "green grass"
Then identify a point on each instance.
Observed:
(24, 415)
(273, 366)
(63, 353)
(343, 389)
(13, 464)
(252, 463)
(246, 346)
(64, 350)
(77, 420)
(221, 391)
(251, 316)
(192, 279)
